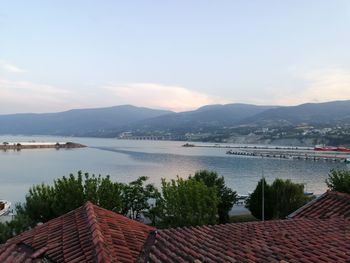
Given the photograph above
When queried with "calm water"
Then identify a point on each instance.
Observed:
(127, 160)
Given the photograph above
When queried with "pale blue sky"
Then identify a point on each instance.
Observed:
(57, 55)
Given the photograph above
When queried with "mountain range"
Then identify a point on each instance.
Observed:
(110, 121)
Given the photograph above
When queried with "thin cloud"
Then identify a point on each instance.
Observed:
(24, 96)
(160, 96)
(320, 86)
(11, 68)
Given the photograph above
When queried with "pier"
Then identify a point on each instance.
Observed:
(309, 155)
(280, 152)
(39, 145)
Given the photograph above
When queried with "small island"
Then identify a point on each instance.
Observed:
(39, 145)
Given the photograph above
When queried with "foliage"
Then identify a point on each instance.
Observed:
(242, 218)
(21, 222)
(339, 180)
(44, 202)
(187, 203)
(254, 202)
(227, 198)
(287, 197)
(136, 197)
(280, 199)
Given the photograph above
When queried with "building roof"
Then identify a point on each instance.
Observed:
(329, 205)
(299, 240)
(87, 234)
(318, 232)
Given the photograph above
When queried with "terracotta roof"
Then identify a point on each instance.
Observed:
(318, 232)
(329, 205)
(297, 240)
(87, 234)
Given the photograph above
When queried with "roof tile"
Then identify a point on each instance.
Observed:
(82, 235)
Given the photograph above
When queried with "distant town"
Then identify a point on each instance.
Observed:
(302, 135)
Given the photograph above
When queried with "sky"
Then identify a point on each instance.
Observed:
(177, 55)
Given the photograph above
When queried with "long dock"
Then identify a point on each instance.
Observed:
(39, 145)
(280, 152)
(310, 155)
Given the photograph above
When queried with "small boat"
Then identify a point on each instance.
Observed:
(188, 145)
(347, 160)
(241, 199)
(4, 207)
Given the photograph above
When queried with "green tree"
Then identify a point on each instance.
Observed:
(339, 180)
(187, 203)
(255, 199)
(226, 196)
(280, 199)
(136, 196)
(287, 197)
(44, 202)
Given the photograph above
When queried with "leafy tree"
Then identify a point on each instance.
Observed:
(187, 203)
(254, 202)
(39, 204)
(44, 202)
(226, 196)
(281, 198)
(339, 180)
(136, 197)
(287, 197)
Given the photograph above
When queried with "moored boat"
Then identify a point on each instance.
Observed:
(4, 207)
(331, 148)
(325, 148)
(188, 145)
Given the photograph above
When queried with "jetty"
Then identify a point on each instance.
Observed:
(280, 152)
(39, 145)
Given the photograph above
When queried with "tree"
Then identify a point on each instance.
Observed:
(44, 202)
(287, 197)
(187, 203)
(254, 201)
(226, 196)
(136, 197)
(339, 180)
(280, 199)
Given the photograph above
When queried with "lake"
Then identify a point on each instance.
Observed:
(126, 160)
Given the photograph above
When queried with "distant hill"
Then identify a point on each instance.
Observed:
(209, 116)
(79, 122)
(328, 113)
(109, 122)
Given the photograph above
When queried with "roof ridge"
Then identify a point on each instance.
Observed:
(308, 204)
(97, 237)
(338, 193)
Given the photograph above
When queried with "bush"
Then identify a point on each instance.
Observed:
(339, 180)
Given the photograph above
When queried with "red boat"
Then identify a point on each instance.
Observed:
(331, 148)
(342, 149)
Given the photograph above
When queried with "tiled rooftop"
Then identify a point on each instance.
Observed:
(318, 232)
(329, 205)
(87, 234)
(299, 240)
